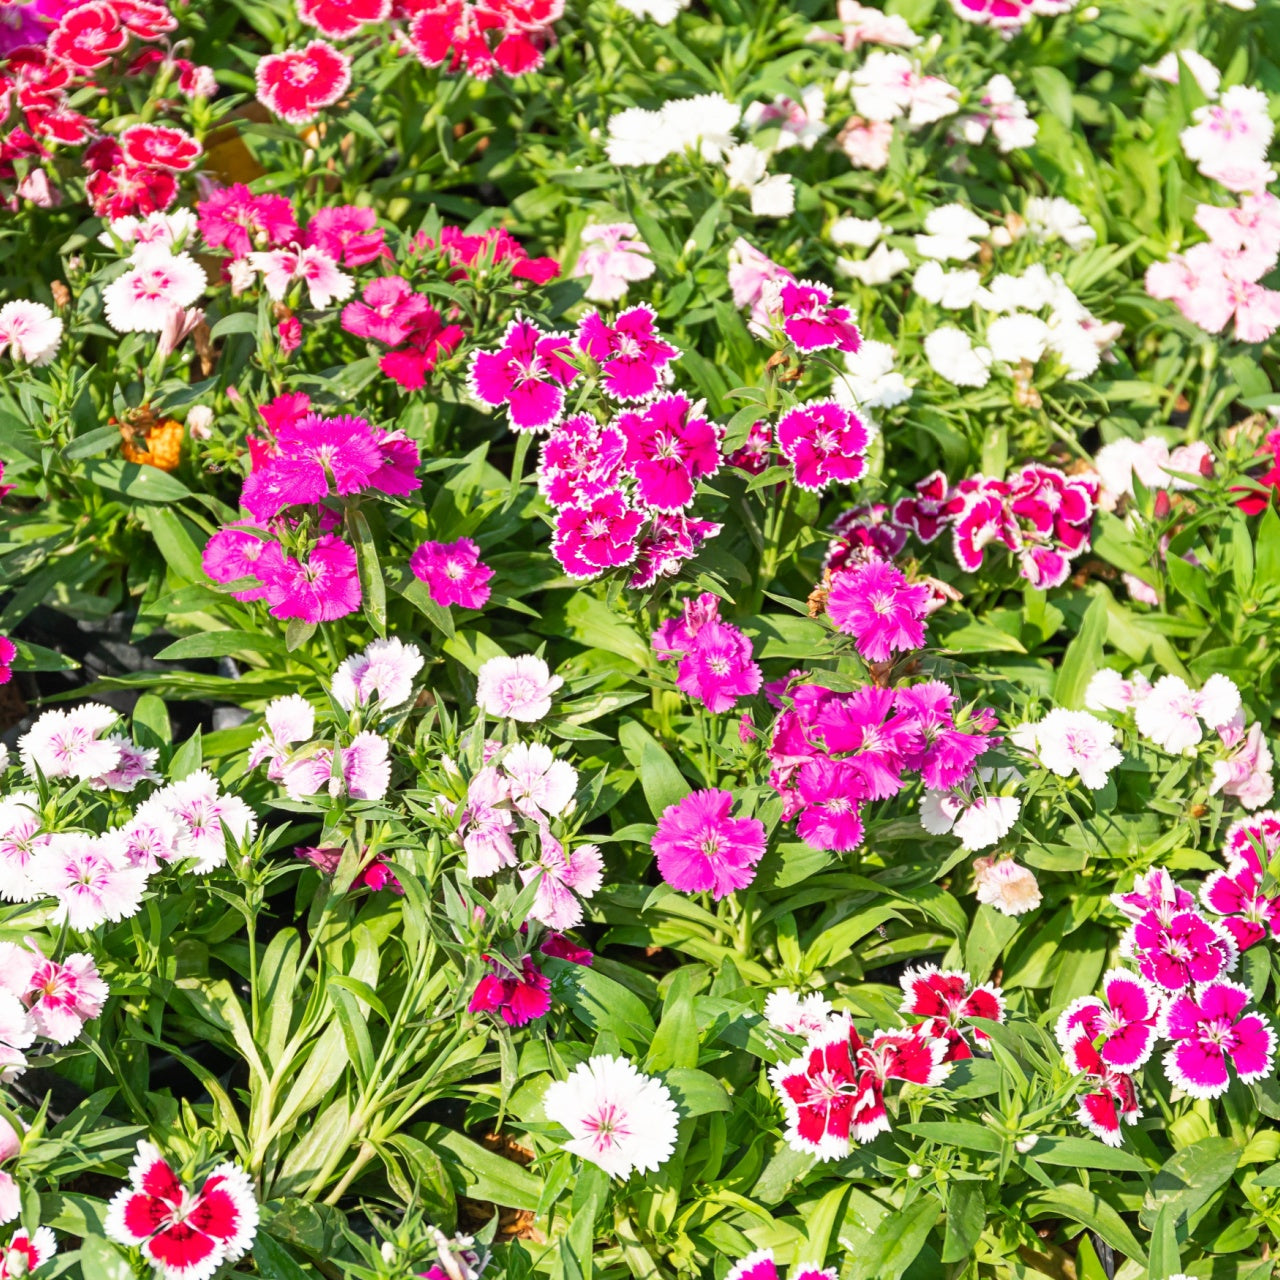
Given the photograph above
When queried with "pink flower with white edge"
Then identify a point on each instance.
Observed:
(539, 784)
(948, 1003)
(1250, 915)
(1170, 715)
(517, 688)
(811, 322)
(341, 19)
(671, 445)
(1075, 742)
(1181, 951)
(528, 373)
(797, 1015)
(1112, 1098)
(601, 534)
(1155, 891)
(142, 300)
(26, 1252)
(761, 1266)
(617, 1118)
(185, 1234)
(1006, 885)
(613, 256)
(1121, 1023)
(90, 887)
(580, 460)
(385, 670)
(205, 818)
(1213, 1038)
(825, 442)
(564, 879)
(298, 84)
(29, 332)
(666, 544)
(68, 744)
(631, 356)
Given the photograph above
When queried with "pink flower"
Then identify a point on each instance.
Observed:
(159, 146)
(716, 665)
(831, 792)
(143, 299)
(25, 1253)
(1001, 14)
(944, 753)
(527, 373)
(232, 554)
(614, 256)
(631, 356)
(1154, 891)
(1112, 1099)
(61, 997)
(428, 341)
(8, 652)
(347, 233)
(866, 143)
(811, 322)
(313, 266)
(341, 19)
(288, 335)
(1236, 893)
(519, 996)
(185, 1234)
(385, 669)
(579, 461)
(1212, 1033)
(947, 1002)
(825, 443)
(754, 280)
(700, 847)
(876, 605)
(1006, 885)
(29, 332)
(597, 535)
(1179, 951)
(235, 219)
(563, 878)
(69, 744)
(667, 543)
(506, 35)
(389, 312)
(1246, 772)
(366, 770)
(375, 875)
(205, 818)
(1121, 1024)
(297, 84)
(453, 573)
(135, 765)
(760, 1266)
(326, 587)
(670, 447)
(516, 688)
(487, 824)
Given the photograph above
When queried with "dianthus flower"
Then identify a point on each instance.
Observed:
(825, 442)
(90, 887)
(185, 1234)
(8, 652)
(1111, 1098)
(143, 298)
(580, 460)
(617, 1118)
(528, 373)
(667, 542)
(482, 36)
(341, 19)
(348, 233)
(1006, 885)
(324, 587)
(60, 996)
(761, 1266)
(1213, 1038)
(159, 146)
(69, 744)
(1171, 714)
(670, 447)
(1122, 1023)
(798, 1015)
(948, 1003)
(699, 847)
(385, 669)
(519, 996)
(453, 572)
(1070, 742)
(597, 535)
(1250, 915)
(517, 688)
(876, 605)
(811, 322)
(564, 878)
(298, 84)
(29, 332)
(631, 356)
(613, 256)
(715, 659)
(324, 283)
(1179, 950)
(235, 219)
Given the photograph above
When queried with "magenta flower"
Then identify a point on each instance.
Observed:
(876, 605)
(947, 1002)
(518, 997)
(811, 322)
(528, 374)
(1121, 1023)
(1156, 892)
(716, 665)
(579, 460)
(348, 234)
(388, 312)
(1236, 893)
(326, 587)
(831, 792)
(946, 752)
(666, 544)
(1112, 1098)
(453, 573)
(233, 218)
(925, 513)
(1180, 952)
(596, 536)
(1212, 1032)
(670, 447)
(629, 352)
(700, 847)
(825, 443)
(8, 651)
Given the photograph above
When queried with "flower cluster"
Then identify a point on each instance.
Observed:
(716, 667)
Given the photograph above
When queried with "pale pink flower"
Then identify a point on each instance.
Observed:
(1005, 885)
(866, 25)
(91, 887)
(135, 765)
(516, 688)
(146, 841)
(205, 818)
(61, 997)
(1110, 691)
(21, 841)
(1171, 714)
(17, 1032)
(290, 720)
(325, 283)
(538, 782)
(366, 768)
(487, 824)
(866, 143)
(565, 878)
(142, 299)
(66, 744)
(1246, 773)
(1076, 742)
(30, 332)
(613, 256)
(1232, 134)
(385, 668)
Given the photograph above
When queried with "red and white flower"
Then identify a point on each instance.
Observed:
(187, 1234)
(1121, 1024)
(339, 19)
(160, 147)
(298, 84)
(1112, 1098)
(24, 1253)
(87, 36)
(947, 1002)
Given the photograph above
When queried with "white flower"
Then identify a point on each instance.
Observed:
(1236, 132)
(952, 233)
(516, 688)
(1170, 714)
(932, 99)
(774, 197)
(705, 123)
(799, 123)
(882, 86)
(951, 290)
(1169, 69)
(143, 299)
(618, 1118)
(986, 820)
(68, 744)
(166, 229)
(1031, 291)
(863, 232)
(1010, 888)
(91, 886)
(939, 811)
(1076, 742)
(744, 165)
(538, 783)
(879, 266)
(661, 11)
(1110, 691)
(203, 814)
(637, 137)
(385, 668)
(870, 380)
(1018, 337)
(797, 1015)
(30, 332)
(1053, 218)
(952, 355)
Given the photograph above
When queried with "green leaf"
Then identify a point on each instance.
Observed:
(147, 484)
(959, 1133)
(101, 1260)
(372, 583)
(966, 1217)
(1083, 656)
(603, 1004)
(1092, 1212)
(992, 931)
(675, 1044)
(1165, 1258)
(697, 1092)
(236, 322)
(662, 783)
(893, 1246)
(297, 633)
(188, 758)
(92, 443)
(1189, 1179)
(482, 1175)
(221, 644)
(1085, 1153)
(274, 1261)
(35, 657)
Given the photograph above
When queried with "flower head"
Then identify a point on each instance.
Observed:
(516, 688)
(298, 84)
(699, 847)
(528, 373)
(825, 442)
(518, 996)
(29, 332)
(613, 256)
(386, 669)
(453, 572)
(1213, 1037)
(876, 605)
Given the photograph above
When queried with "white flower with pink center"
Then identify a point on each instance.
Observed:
(1075, 742)
(386, 668)
(798, 1015)
(539, 783)
(1171, 714)
(29, 332)
(21, 841)
(143, 299)
(90, 886)
(516, 688)
(618, 1118)
(67, 744)
(205, 818)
